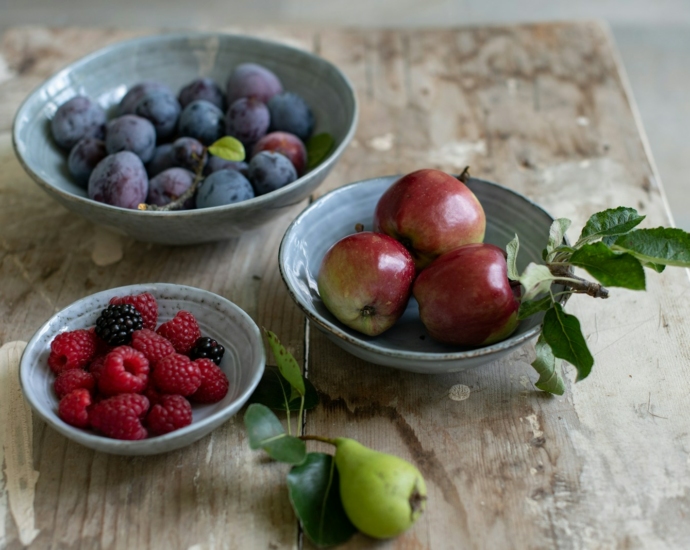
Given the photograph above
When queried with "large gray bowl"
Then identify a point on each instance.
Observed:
(407, 345)
(176, 59)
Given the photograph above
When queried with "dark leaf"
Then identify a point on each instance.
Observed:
(550, 379)
(609, 268)
(270, 393)
(318, 148)
(286, 364)
(615, 221)
(662, 245)
(562, 332)
(656, 267)
(266, 432)
(315, 496)
(530, 307)
(228, 148)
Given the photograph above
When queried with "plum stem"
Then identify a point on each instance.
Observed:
(578, 284)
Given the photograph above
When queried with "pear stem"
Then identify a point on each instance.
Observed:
(317, 438)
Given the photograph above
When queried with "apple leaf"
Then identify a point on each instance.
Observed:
(287, 365)
(512, 250)
(656, 267)
(609, 268)
(545, 364)
(562, 333)
(556, 234)
(660, 246)
(536, 279)
(271, 392)
(318, 148)
(614, 221)
(314, 491)
(228, 148)
(266, 432)
(530, 307)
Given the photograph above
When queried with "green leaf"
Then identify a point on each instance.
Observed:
(662, 245)
(286, 364)
(269, 392)
(536, 279)
(228, 148)
(614, 221)
(550, 379)
(656, 267)
(314, 490)
(266, 432)
(530, 307)
(609, 268)
(318, 148)
(562, 332)
(556, 234)
(512, 250)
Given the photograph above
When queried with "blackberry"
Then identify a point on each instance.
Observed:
(207, 348)
(116, 324)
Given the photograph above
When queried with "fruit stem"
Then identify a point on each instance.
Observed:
(578, 284)
(317, 438)
(465, 175)
(368, 311)
(188, 194)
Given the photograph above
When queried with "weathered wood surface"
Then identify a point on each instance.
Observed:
(541, 109)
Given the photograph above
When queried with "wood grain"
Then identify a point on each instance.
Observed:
(542, 109)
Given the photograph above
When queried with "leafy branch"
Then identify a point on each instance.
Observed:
(614, 253)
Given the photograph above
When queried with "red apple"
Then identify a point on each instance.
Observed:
(430, 213)
(465, 297)
(365, 280)
(286, 144)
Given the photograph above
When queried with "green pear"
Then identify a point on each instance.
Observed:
(383, 495)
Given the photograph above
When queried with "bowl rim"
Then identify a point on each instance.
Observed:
(332, 329)
(258, 201)
(123, 446)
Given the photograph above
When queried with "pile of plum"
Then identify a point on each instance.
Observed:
(150, 153)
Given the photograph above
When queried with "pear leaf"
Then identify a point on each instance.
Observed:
(550, 380)
(512, 249)
(661, 246)
(608, 267)
(536, 279)
(614, 221)
(271, 388)
(530, 307)
(314, 491)
(287, 365)
(556, 234)
(318, 148)
(228, 148)
(266, 432)
(562, 333)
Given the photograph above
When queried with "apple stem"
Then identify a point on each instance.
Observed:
(317, 438)
(578, 284)
(464, 175)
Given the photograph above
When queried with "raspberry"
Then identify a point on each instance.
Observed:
(152, 394)
(71, 350)
(120, 416)
(116, 324)
(102, 348)
(182, 331)
(125, 370)
(171, 413)
(145, 304)
(96, 367)
(207, 348)
(177, 374)
(72, 408)
(72, 379)
(152, 345)
(214, 383)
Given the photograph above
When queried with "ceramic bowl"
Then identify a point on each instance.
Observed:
(176, 59)
(407, 345)
(243, 362)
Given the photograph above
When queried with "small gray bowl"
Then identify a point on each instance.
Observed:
(176, 59)
(407, 345)
(243, 362)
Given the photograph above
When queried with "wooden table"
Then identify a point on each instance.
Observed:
(543, 109)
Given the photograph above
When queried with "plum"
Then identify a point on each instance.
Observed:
(202, 88)
(247, 120)
(217, 163)
(119, 180)
(286, 144)
(84, 157)
(202, 121)
(187, 152)
(223, 187)
(130, 100)
(162, 160)
(169, 185)
(162, 110)
(252, 80)
(131, 133)
(269, 171)
(290, 113)
(76, 119)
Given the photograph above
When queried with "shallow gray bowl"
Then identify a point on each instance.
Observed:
(176, 59)
(243, 362)
(407, 345)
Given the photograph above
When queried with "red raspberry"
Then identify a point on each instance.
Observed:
(102, 347)
(96, 367)
(182, 331)
(72, 408)
(125, 370)
(152, 394)
(72, 379)
(152, 345)
(214, 383)
(171, 413)
(120, 416)
(177, 374)
(145, 304)
(72, 350)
